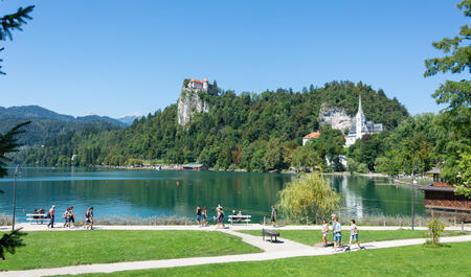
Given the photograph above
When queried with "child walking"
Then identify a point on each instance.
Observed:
(325, 232)
(337, 232)
(353, 235)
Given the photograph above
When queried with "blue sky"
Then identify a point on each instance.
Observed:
(124, 57)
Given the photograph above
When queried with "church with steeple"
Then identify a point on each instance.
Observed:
(361, 127)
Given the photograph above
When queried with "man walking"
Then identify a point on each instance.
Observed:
(273, 216)
(51, 214)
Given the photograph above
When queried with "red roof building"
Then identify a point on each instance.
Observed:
(311, 136)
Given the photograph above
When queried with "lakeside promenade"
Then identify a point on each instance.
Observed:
(271, 251)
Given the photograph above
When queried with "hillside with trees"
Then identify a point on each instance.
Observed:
(47, 125)
(254, 132)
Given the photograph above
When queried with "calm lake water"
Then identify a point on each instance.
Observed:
(146, 193)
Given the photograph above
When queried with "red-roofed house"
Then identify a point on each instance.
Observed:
(311, 136)
(441, 196)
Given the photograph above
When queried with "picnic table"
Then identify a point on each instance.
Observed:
(239, 218)
(38, 218)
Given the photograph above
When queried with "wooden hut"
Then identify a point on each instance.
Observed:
(441, 195)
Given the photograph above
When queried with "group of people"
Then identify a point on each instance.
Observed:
(202, 216)
(69, 217)
(337, 233)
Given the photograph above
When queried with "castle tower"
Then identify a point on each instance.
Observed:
(360, 121)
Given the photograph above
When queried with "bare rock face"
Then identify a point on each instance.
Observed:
(189, 103)
(337, 118)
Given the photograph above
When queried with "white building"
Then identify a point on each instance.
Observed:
(199, 84)
(361, 127)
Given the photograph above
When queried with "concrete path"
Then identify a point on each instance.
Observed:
(288, 249)
(34, 227)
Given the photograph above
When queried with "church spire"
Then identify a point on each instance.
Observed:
(360, 109)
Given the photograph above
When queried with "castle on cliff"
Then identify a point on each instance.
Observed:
(202, 85)
(190, 101)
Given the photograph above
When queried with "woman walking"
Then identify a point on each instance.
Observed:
(66, 218)
(89, 219)
(198, 215)
(220, 217)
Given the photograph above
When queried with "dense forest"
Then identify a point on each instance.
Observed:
(255, 132)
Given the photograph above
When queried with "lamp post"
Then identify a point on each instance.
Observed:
(414, 182)
(17, 173)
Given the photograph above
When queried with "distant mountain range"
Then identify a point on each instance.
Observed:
(128, 119)
(47, 125)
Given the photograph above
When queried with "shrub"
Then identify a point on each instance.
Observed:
(436, 228)
(308, 196)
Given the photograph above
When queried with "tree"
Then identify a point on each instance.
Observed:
(367, 150)
(9, 242)
(8, 144)
(308, 196)
(456, 95)
(464, 175)
(11, 22)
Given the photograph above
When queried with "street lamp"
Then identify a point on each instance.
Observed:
(414, 189)
(17, 173)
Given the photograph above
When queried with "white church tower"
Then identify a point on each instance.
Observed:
(360, 121)
(361, 126)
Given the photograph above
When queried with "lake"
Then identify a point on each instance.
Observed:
(146, 193)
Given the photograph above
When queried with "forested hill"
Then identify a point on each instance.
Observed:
(47, 125)
(258, 132)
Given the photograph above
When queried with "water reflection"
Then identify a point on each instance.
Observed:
(151, 193)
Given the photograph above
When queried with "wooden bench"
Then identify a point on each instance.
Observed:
(239, 218)
(38, 218)
(271, 234)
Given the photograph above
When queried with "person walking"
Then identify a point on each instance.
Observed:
(354, 235)
(71, 217)
(89, 219)
(273, 215)
(325, 232)
(337, 232)
(51, 214)
(66, 218)
(198, 215)
(204, 215)
(220, 217)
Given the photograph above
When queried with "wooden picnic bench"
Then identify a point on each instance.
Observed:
(38, 218)
(271, 234)
(239, 218)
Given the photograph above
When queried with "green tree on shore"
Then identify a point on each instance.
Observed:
(456, 95)
(309, 196)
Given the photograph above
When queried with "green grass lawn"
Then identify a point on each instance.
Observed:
(312, 237)
(450, 260)
(55, 249)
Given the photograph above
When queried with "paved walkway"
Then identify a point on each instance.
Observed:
(34, 227)
(287, 249)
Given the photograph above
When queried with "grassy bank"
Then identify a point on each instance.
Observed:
(450, 260)
(55, 249)
(312, 237)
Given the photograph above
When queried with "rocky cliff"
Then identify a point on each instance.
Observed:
(335, 117)
(189, 103)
